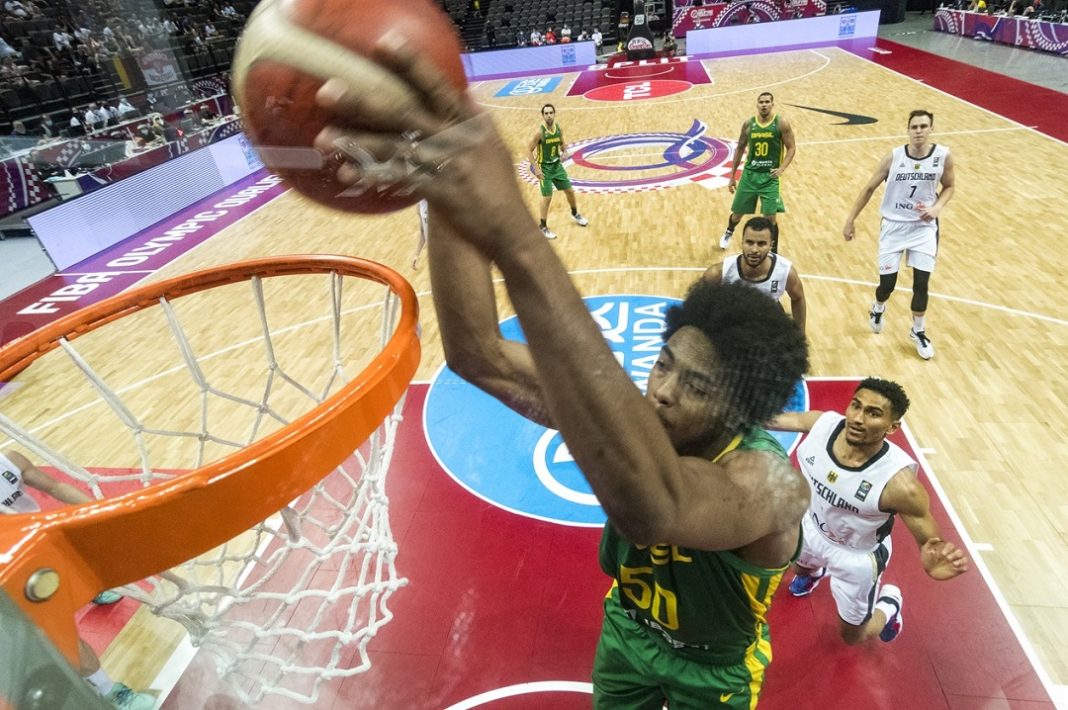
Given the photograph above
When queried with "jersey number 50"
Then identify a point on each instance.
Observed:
(648, 595)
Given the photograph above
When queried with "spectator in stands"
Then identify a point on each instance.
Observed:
(169, 27)
(491, 35)
(128, 43)
(520, 38)
(135, 145)
(565, 34)
(94, 118)
(6, 50)
(550, 36)
(535, 38)
(19, 10)
(229, 11)
(75, 124)
(48, 129)
(62, 38)
(126, 109)
(584, 35)
(670, 46)
(8, 68)
(598, 39)
(190, 122)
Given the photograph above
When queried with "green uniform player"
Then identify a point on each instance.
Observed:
(684, 625)
(767, 140)
(667, 464)
(548, 151)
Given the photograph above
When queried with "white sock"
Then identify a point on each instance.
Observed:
(878, 307)
(888, 608)
(100, 681)
(918, 323)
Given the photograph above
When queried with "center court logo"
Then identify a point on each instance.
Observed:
(636, 162)
(521, 466)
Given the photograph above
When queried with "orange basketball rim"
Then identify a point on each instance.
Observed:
(52, 563)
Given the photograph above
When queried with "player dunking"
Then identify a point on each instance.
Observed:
(767, 139)
(703, 508)
(548, 150)
(756, 266)
(910, 209)
(860, 482)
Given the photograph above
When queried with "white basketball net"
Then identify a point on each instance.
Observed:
(295, 601)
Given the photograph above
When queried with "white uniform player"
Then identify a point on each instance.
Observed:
(860, 483)
(13, 496)
(774, 284)
(911, 185)
(845, 531)
(913, 174)
(758, 267)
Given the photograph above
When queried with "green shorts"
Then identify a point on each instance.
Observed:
(634, 670)
(753, 185)
(553, 175)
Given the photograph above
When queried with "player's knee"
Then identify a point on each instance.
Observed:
(887, 284)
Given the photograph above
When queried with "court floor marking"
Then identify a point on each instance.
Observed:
(607, 156)
(958, 98)
(702, 96)
(573, 272)
(1053, 690)
(937, 134)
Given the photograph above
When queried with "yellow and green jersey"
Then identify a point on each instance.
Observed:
(709, 606)
(765, 151)
(550, 145)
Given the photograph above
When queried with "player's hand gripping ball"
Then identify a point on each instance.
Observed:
(289, 48)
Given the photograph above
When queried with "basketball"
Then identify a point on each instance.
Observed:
(289, 48)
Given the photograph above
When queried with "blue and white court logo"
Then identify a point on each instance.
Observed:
(527, 87)
(526, 468)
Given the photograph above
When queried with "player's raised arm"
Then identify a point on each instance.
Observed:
(877, 178)
(467, 315)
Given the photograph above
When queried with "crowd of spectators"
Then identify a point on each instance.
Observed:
(58, 61)
(565, 35)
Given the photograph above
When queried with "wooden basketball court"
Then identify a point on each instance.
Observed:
(987, 412)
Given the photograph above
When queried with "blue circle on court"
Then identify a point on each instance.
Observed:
(526, 468)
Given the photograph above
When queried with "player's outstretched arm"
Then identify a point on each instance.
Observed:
(907, 496)
(34, 477)
(878, 178)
